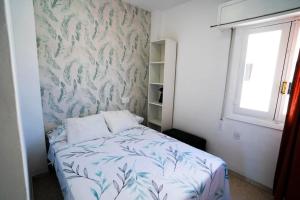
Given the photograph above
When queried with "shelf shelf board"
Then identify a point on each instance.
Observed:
(157, 62)
(156, 122)
(159, 41)
(159, 84)
(156, 104)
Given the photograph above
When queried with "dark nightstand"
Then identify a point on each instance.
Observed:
(187, 138)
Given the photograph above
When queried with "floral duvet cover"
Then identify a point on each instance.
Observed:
(138, 164)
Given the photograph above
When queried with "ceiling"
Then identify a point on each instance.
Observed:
(152, 5)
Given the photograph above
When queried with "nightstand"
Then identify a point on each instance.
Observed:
(195, 141)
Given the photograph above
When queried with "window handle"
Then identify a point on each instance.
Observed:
(284, 87)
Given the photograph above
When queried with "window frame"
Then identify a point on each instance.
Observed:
(236, 71)
(295, 32)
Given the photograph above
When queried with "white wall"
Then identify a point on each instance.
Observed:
(14, 182)
(25, 64)
(156, 25)
(200, 84)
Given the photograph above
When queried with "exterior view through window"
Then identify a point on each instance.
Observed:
(260, 69)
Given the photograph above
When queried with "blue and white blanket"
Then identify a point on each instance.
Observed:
(138, 164)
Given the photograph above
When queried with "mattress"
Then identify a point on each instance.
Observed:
(138, 164)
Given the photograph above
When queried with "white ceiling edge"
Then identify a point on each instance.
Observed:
(152, 5)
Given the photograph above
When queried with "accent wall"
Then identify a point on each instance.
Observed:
(93, 56)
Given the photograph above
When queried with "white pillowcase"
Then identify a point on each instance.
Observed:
(57, 135)
(118, 121)
(139, 119)
(85, 129)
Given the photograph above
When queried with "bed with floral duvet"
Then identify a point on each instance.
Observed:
(137, 164)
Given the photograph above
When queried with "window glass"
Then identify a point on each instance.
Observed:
(259, 71)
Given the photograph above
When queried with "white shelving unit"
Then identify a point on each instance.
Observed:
(161, 75)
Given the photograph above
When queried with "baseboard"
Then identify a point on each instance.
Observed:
(250, 181)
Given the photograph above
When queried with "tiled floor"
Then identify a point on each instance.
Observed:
(46, 188)
(241, 190)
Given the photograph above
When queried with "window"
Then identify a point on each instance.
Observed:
(262, 65)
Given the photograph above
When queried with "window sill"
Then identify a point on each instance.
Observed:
(258, 122)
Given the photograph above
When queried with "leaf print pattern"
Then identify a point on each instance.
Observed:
(52, 118)
(80, 74)
(71, 109)
(207, 168)
(65, 26)
(192, 187)
(67, 72)
(124, 178)
(157, 159)
(109, 169)
(85, 151)
(176, 156)
(53, 77)
(91, 96)
(53, 105)
(100, 181)
(48, 11)
(78, 29)
(91, 54)
(95, 30)
(59, 46)
(50, 60)
(95, 194)
(53, 4)
(155, 194)
(47, 26)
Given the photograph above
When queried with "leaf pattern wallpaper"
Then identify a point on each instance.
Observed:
(92, 53)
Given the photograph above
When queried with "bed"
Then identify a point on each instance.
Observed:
(138, 164)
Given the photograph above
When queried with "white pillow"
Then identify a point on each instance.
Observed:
(57, 135)
(139, 119)
(118, 121)
(85, 129)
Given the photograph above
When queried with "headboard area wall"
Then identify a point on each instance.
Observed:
(92, 54)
